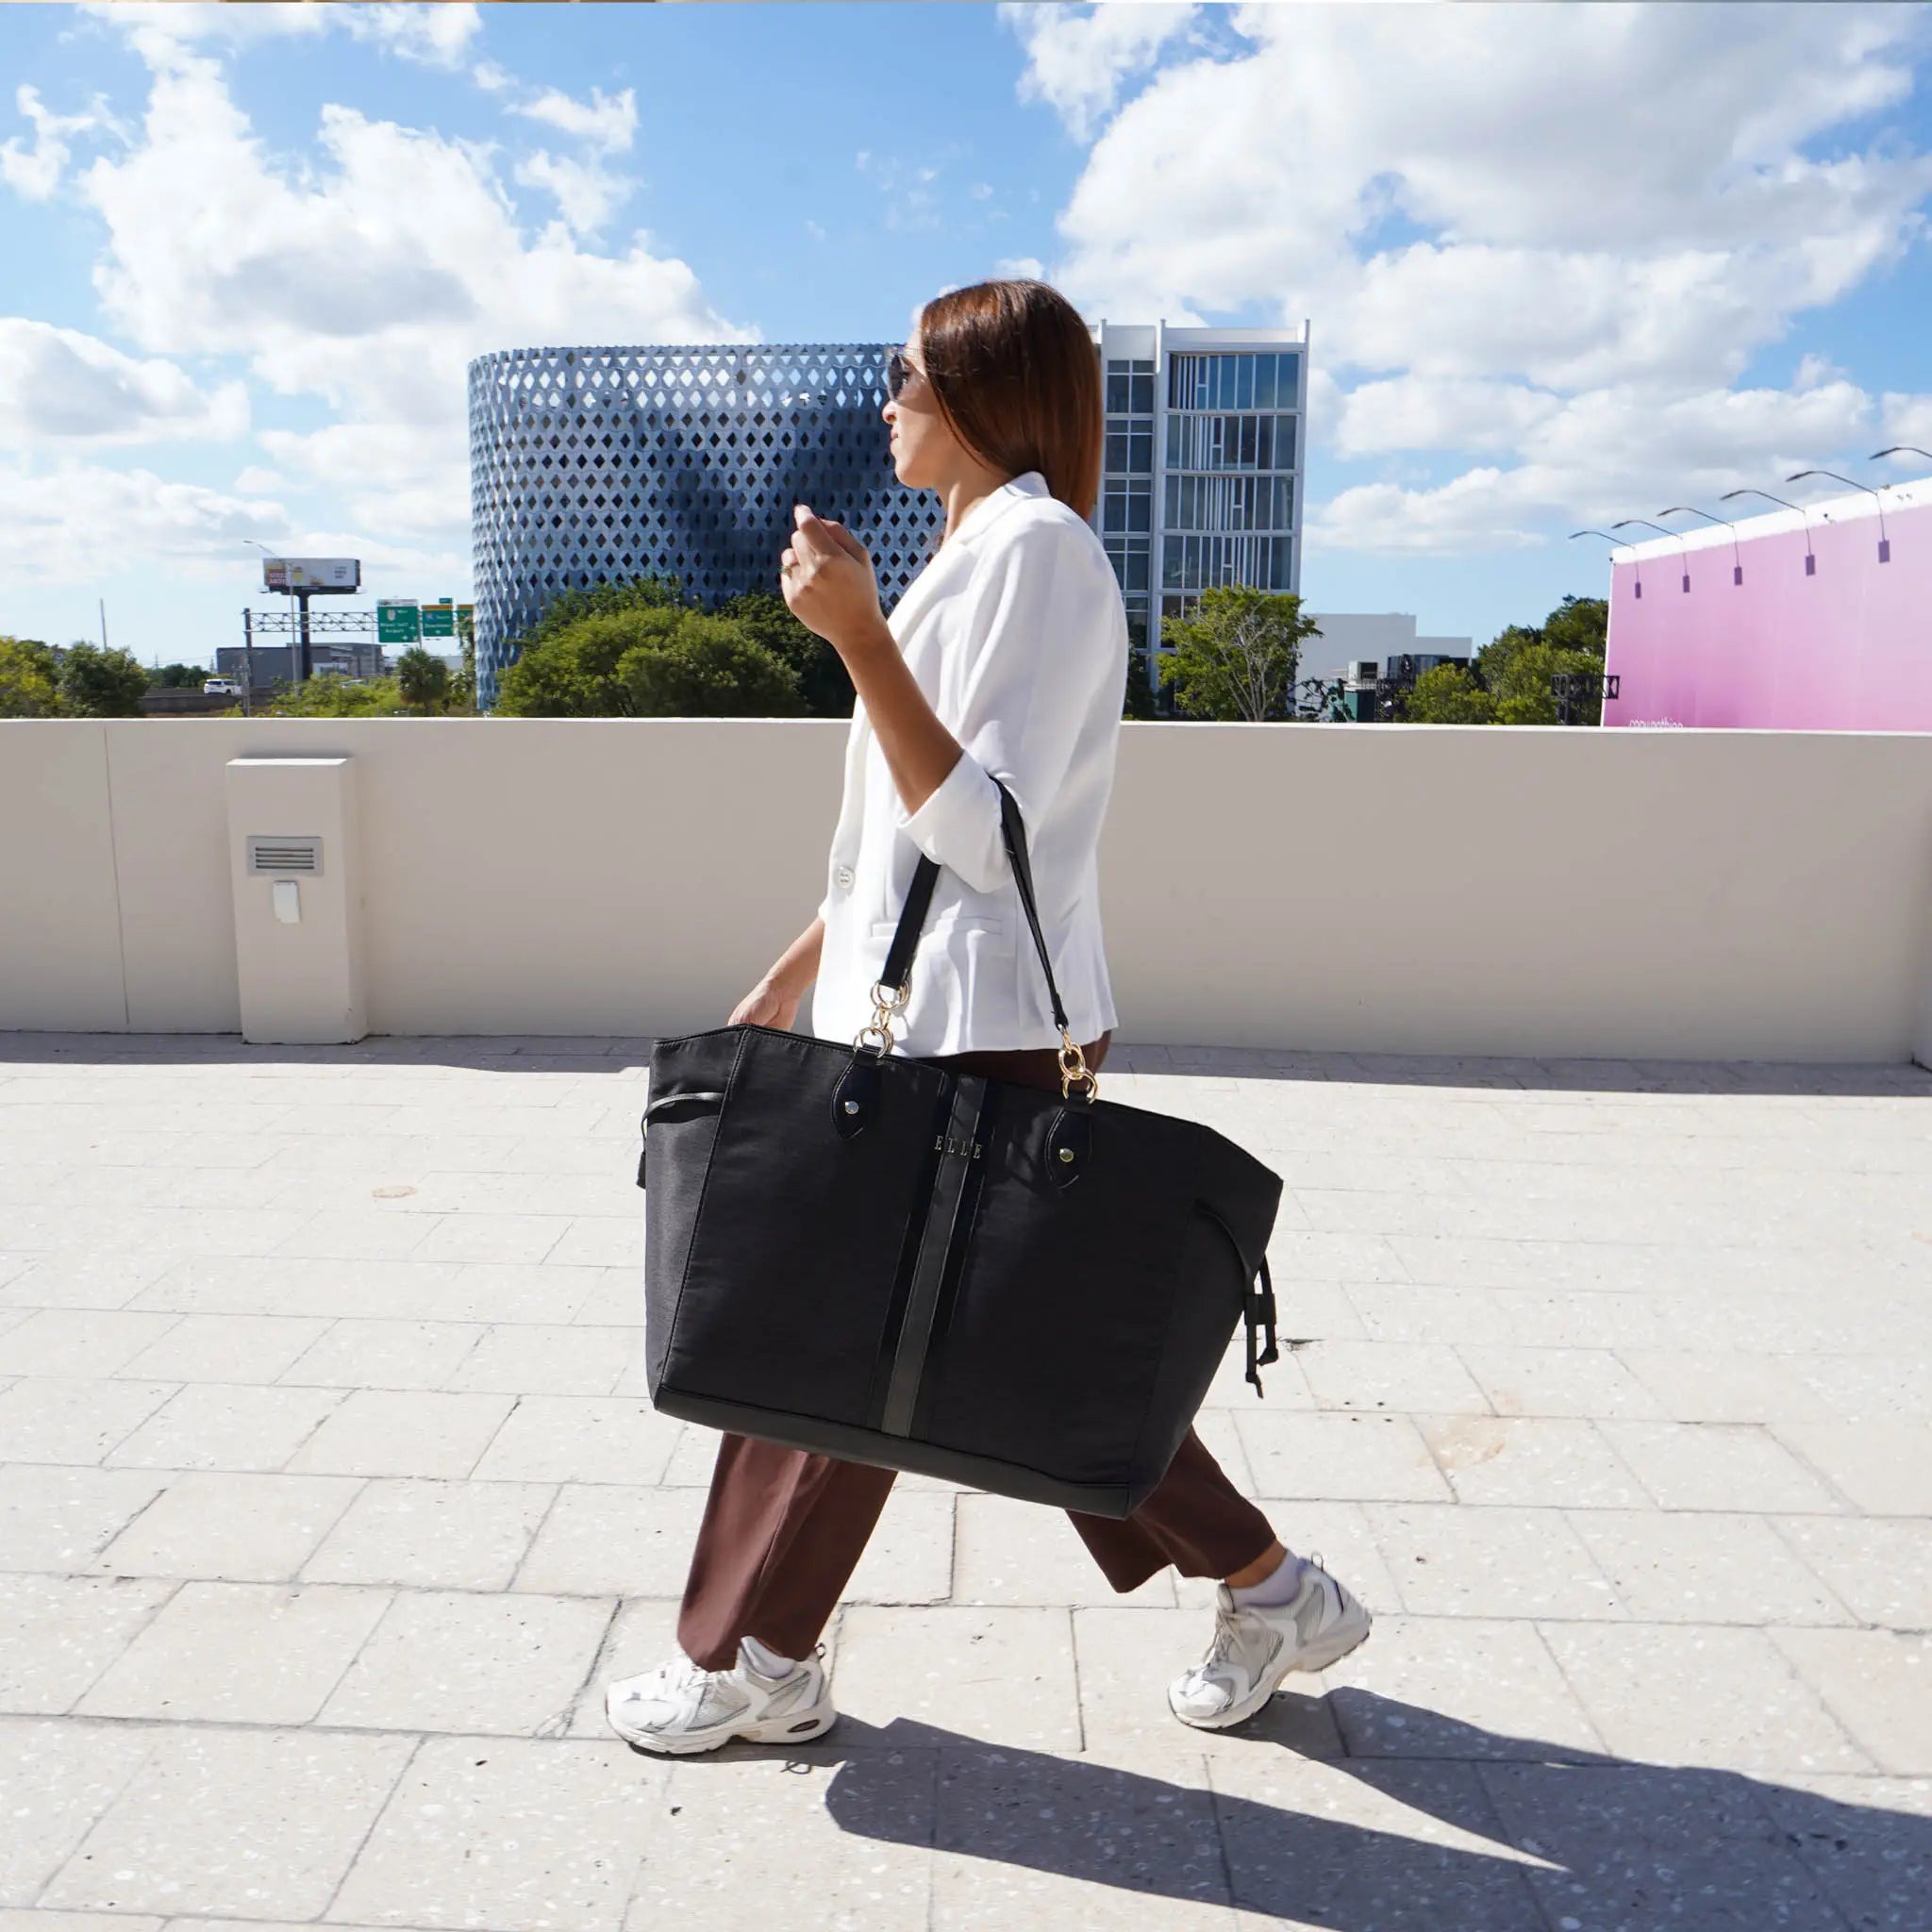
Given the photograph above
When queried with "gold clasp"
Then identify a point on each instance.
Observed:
(887, 1005)
(1074, 1067)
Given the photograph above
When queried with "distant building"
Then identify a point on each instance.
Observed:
(596, 465)
(1379, 637)
(274, 665)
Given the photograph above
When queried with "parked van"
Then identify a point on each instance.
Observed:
(225, 687)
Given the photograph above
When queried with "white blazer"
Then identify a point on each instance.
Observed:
(1016, 633)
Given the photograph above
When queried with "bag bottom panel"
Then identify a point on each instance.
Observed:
(848, 1443)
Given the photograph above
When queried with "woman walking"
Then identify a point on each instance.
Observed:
(1008, 655)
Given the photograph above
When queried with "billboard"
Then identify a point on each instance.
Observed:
(1817, 619)
(337, 574)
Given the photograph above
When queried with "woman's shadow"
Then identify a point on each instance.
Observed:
(1485, 1834)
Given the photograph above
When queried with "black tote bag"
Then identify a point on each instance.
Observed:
(884, 1260)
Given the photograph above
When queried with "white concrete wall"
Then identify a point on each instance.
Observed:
(1431, 890)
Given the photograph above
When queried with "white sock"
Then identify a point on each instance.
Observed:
(1279, 1587)
(768, 1663)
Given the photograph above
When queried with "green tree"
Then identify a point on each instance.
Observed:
(766, 619)
(1237, 658)
(330, 694)
(1448, 695)
(708, 668)
(101, 684)
(177, 677)
(29, 679)
(572, 670)
(422, 679)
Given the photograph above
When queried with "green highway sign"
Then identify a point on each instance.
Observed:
(396, 622)
(439, 620)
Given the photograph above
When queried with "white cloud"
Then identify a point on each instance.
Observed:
(325, 283)
(59, 385)
(65, 521)
(436, 32)
(587, 194)
(1077, 60)
(1019, 268)
(1506, 223)
(606, 121)
(1908, 419)
(35, 170)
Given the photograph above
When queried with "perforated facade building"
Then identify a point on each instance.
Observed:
(594, 465)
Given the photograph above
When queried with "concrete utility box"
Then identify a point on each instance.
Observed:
(294, 860)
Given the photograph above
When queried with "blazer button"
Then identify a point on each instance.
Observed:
(842, 879)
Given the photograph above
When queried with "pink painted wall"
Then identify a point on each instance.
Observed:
(1848, 648)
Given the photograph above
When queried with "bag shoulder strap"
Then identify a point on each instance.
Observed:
(919, 903)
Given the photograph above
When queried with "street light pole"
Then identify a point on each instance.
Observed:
(1884, 541)
(1688, 509)
(1811, 561)
(1682, 558)
(1615, 544)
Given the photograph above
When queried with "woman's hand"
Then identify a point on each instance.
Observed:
(768, 1003)
(828, 583)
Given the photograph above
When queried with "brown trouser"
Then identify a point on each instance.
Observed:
(784, 1529)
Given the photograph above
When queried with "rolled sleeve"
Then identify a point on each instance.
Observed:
(1039, 653)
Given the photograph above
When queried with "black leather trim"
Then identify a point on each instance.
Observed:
(1068, 1143)
(933, 1374)
(856, 1099)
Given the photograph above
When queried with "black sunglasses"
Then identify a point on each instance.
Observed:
(898, 374)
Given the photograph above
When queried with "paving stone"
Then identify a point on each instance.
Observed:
(1723, 1385)
(76, 1277)
(390, 1432)
(52, 1419)
(512, 1833)
(1717, 1466)
(525, 1293)
(259, 1528)
(1126, 1659)
(1022, 1838)
(1884, 1466)
(581, 1439)
(455, 1662)
(226, 1425)
(1533, 1459)
(1878, 1684)
(1867, 1842)
(614, 1540)
(362, 1353)
(1350, 1458)
(1397, 1377)
(276, 1284)
(1880, 1571)
(1700, 1694)
(1625, 1847)
(358, 1232)
(56, 1780)
(56, 1519)
(1699, 1567)
(256, 1822)
(431, 1534)
(1493, 1562)
(1399, 1847)
(999, 1676)
(1457, 1688)
(78, 1342)
(1590, 1382)
(1018, 1553)
(58, 1634)
(491, 1237)
(225, 1348)
(910, 1557)
(252, 1653)
(78, 1921)
(730, 1835)
(532, 1358)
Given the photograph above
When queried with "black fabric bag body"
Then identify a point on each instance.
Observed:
(884, 1259)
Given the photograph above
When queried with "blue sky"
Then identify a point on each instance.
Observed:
(1562, 264)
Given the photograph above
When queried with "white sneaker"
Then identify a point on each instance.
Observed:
(678, 1710)
(1255, 1647)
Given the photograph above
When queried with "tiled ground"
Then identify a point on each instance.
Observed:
(330, 1496)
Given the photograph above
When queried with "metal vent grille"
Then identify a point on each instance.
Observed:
(283, 857)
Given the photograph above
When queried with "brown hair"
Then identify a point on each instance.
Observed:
(1015, 373)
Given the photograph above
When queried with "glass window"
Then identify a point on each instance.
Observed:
(1141, 400)
(1117, 388)
(1284, 442)
(1244, 384)
(1288, 382)
(1116, 450)
(1140, 451)
(1116, 366)
(1137, 567)
(1264, 382)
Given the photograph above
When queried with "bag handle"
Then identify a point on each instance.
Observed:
(888, 995)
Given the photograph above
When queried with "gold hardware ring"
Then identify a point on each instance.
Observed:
(1074, 1067)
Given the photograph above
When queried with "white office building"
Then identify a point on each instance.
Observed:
(1379, 637)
